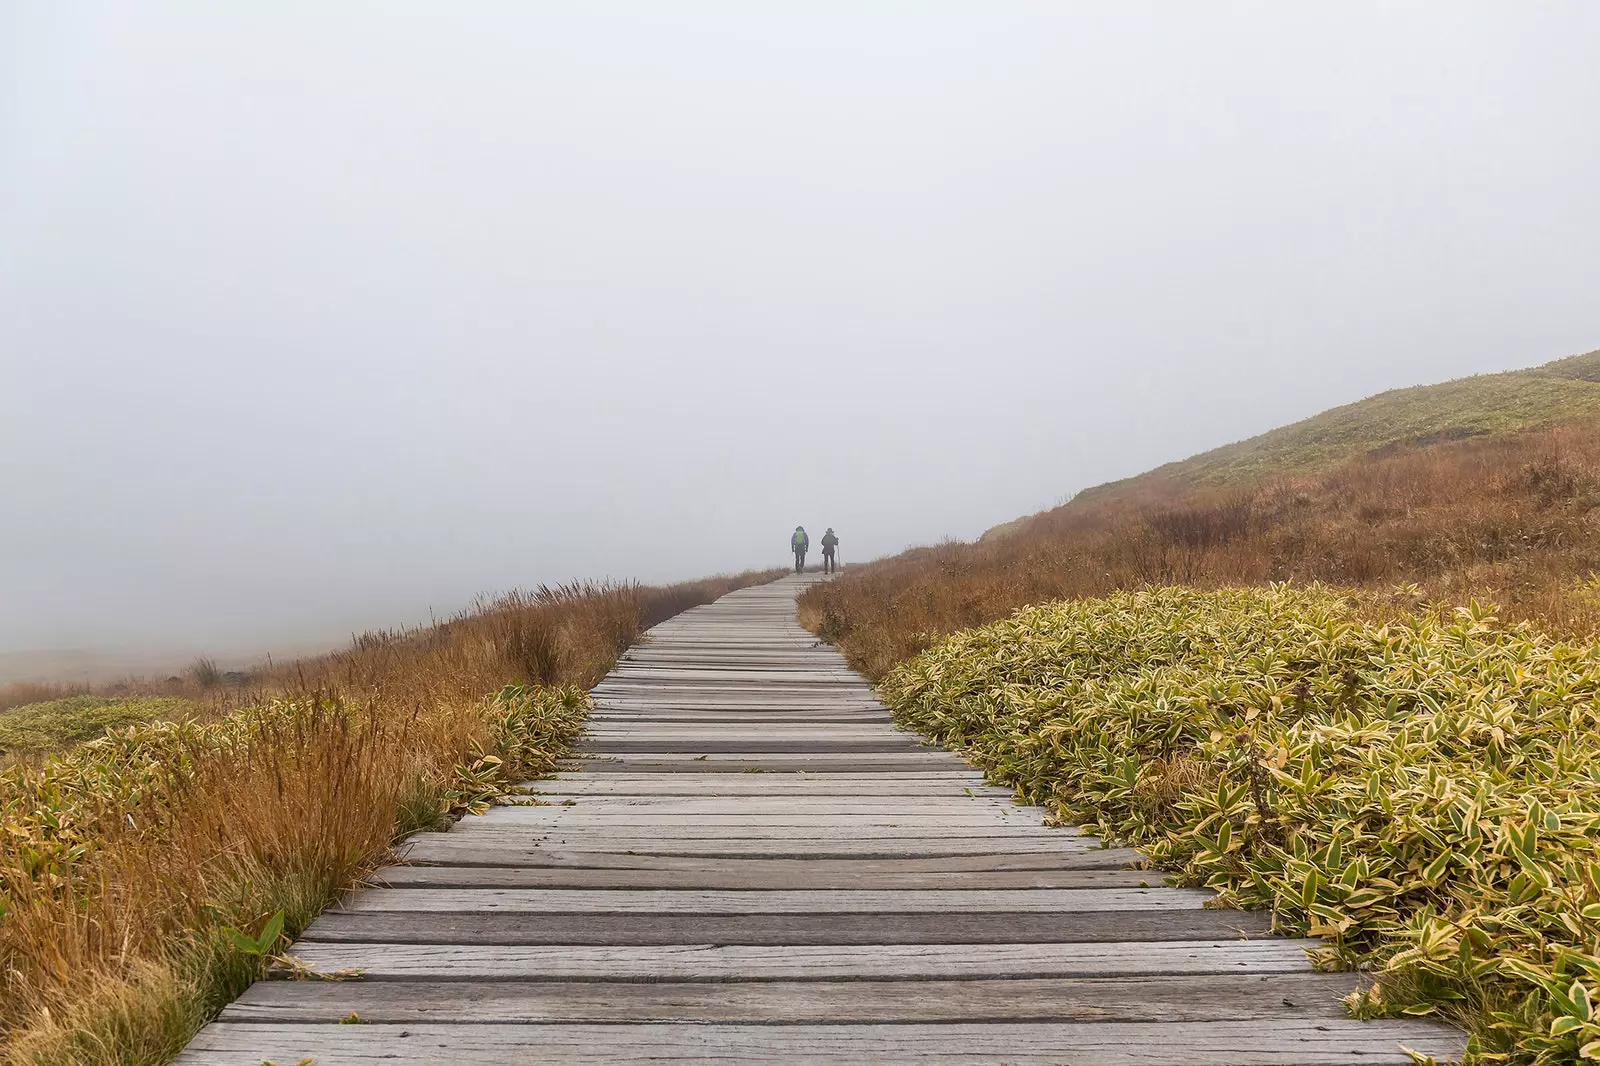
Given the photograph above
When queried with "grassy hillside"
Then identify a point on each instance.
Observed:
(1512, 518)
(1485, 406)
(1311, 748)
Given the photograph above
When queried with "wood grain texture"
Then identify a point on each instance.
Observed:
(451, 850)
(1139, 999)
(401, 927)
(739, 962)
(1252, 1042)
(759, 874)
(1060, 901)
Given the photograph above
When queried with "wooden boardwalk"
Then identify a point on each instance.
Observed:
(750, 863)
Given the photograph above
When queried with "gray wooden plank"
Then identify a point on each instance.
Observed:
(1062, 901)
(537, 821)
(591, 853)
(772, 834)
(763, 748)
(951, 772)
(576, 849)
(785, 762)
(943, 799)
(464, 850)
(887, 787)
(605, 719)
(402, 927)
(730, 875)
(722, 962)
(542, 821)
(1250, 1042)
(955, 783)
(1271, 998)
(749, 729)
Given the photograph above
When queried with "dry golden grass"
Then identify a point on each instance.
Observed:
(128, 860)
(1515, 519)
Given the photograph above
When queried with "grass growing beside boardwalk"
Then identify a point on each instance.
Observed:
(143, 874)
(1423, 792)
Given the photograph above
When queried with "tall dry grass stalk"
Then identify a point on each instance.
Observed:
(126, 863)
(1516, 520)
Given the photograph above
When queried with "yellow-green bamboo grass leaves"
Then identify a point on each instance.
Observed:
(1423, 793)
(123, 862)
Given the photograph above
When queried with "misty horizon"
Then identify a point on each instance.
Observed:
(131, 661)
(313, 323)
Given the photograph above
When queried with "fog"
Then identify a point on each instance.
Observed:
(316, 317)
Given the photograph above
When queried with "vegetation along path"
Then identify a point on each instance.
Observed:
(751, 863)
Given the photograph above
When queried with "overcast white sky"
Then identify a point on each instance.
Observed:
(316, 316)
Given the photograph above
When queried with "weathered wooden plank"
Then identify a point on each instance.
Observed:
(633, 676)
(1250, 1042)
(888, 786)
(706, 823)
(768, 786)
(665, 658)
(754, 734)
(461, 850)
(729, 875)
(950, 773)
(763, 748)
(737, 706)
(580, 848)
(557, 806)
(776, 831)
(680, 807)
(756, 739)
(732, 706)
(619, 719)
(1270, 998)
(1062, 901)
(799, 680)
(790, 762)
(402, 927)
(745, 696)
(767, 847)
(953, 782)
(722, 962)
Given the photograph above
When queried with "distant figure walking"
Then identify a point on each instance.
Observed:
(799, 542)
(830, 547)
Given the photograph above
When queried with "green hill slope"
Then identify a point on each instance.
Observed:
(1481, 406)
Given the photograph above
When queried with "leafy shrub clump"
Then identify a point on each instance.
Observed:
(1423, 792)
(54, 725)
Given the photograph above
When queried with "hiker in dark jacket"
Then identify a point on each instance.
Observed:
(799, 542)
(830, 545)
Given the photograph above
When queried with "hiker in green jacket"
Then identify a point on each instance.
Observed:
(799, 542)
(830, 546)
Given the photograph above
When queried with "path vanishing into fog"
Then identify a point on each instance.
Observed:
(748, 862)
